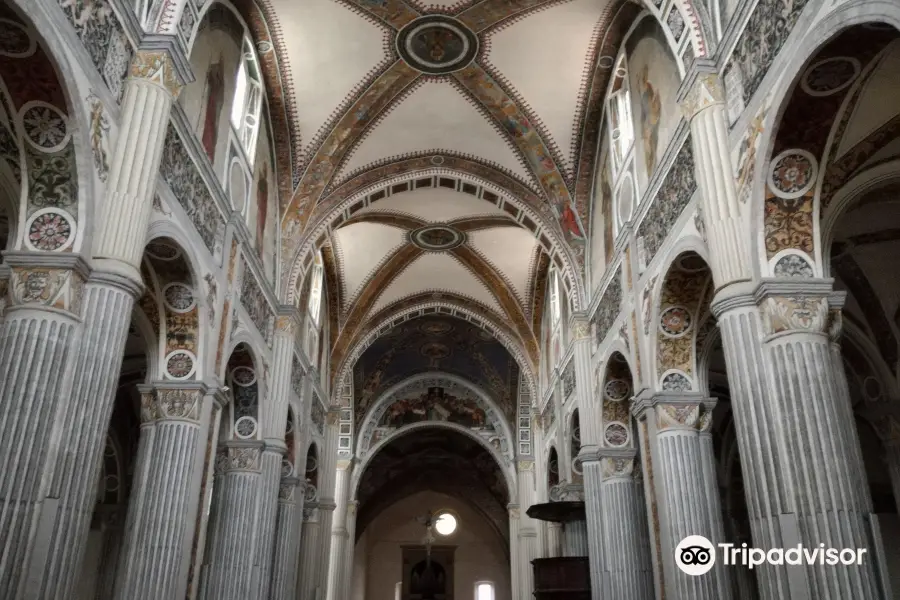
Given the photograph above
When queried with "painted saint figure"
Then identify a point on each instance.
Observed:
(651, 108)
(215, 100)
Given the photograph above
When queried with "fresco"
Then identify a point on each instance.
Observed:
(435, 405)
(437, 343)
(264, 220)
(654, 81)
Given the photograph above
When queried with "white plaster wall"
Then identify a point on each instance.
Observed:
(479, 554)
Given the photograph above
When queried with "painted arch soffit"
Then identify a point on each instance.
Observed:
(436, 397)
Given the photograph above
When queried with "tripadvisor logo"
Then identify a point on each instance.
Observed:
(696, 555)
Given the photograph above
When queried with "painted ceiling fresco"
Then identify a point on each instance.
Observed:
(436, 343)
(438, 460)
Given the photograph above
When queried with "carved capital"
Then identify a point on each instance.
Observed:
(706, 91)
(156, 66)
(795, 313)
(53, 280)
(677, 416)
(581, 329)
(616, 467)
(525, 465)
(167, 400)
(244, 457)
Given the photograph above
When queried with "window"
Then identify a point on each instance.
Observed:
(247, 101)
(398, 590)
(621, 129)
(484, 591)
(315, 290)
(445, 524)
(555, 310)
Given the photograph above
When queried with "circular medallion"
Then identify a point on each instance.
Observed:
(245, 427)
(179, 364)
(311, 464)
(178, 297)
(162, 251)
(872, 388)
(287, 469)
(792, 265)
(830, 76)
(793, 173)
(311, 494)
(14, 40)
(243, 376)
(50, 230)
(434, 350)
(436, 44)
(264, 47)
(616, 389)
(616, 434)
(437, 238)
(45, 126)
(691, 263)
(437, 160)
(675, 321)
(676, 382)
(435, 327)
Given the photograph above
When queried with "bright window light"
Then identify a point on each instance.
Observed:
(240, 97)
(446, 524)
(484, 591)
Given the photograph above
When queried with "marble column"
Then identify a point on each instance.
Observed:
(623, 544)
(337, 558)
(350, 550)
(37, 338)
(327, 499)
(576, 538)
(58, 543)
(113, 531)
(273, 466)
(164, 498)
(287, 539)
(231, 574)
(685, 503)
(554, 540)
(517, 572)
(593, 509)
(308, 560)
(703, 101)
(713, 496)
(526, 527)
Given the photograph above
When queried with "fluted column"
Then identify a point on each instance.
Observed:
(327, 500)
(287, 538)
(273, 466)
(337, 560)
(163, 504)
(685, 498)
(37, 339)
(704, 104)
(308, 561)
(518, 571)
(554, 540)
(350, 551)
(527, 528)
(589, 408)
(800, 454)
(231, 574)
(59, 540)
(593, 510)
(113, 528)
(576, 542)
(712, 496)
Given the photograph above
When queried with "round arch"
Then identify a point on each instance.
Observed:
(378, 408)
(528, 214)
(845, 16)
(505, 466)
(430, 305)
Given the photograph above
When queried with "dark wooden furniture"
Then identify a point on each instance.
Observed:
(563, 578)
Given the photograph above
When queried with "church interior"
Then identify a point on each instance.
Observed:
(448, 299)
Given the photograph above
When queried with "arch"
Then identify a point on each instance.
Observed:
(49, 63)
(244, 376)
(504, 466)
(423, 305)
(844, 17)
(616, 390)
(552, 463)
(377, 409)
(493, 187)
(573, 430)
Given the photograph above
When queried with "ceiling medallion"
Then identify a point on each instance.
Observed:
(437, 44)
(437, 238)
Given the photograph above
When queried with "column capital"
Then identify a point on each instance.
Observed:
(798, 305)
(162, 58)
(287, 487)
(701, 88)
(53, 280)
(275, 445)
(344, 464)
(244, 455)
(524, 466)
(514, 512)
(288, 320)
(172, 401)
(580, 326)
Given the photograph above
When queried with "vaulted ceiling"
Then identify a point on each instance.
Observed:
(442, 147)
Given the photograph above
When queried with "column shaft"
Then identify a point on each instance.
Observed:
(594, 512)
(287, 539)
(267, 506)
(231, 575)
(164, 497)
(892, 458)
(554, 540)
(307, 575)
(336, 559)
(576, 537)
(628, 568)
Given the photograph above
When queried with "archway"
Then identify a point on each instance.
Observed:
(432, 469)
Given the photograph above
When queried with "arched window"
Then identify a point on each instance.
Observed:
(621, 130)
(555, 306)
(484, 590)
(247, 101)
(315, 291)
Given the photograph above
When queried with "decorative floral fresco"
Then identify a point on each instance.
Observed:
(609, 307)
(104, 38)
(674, 194)
(653, 83)
(189, 188)
(801, 142)
(254, 302)
(680, 307)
